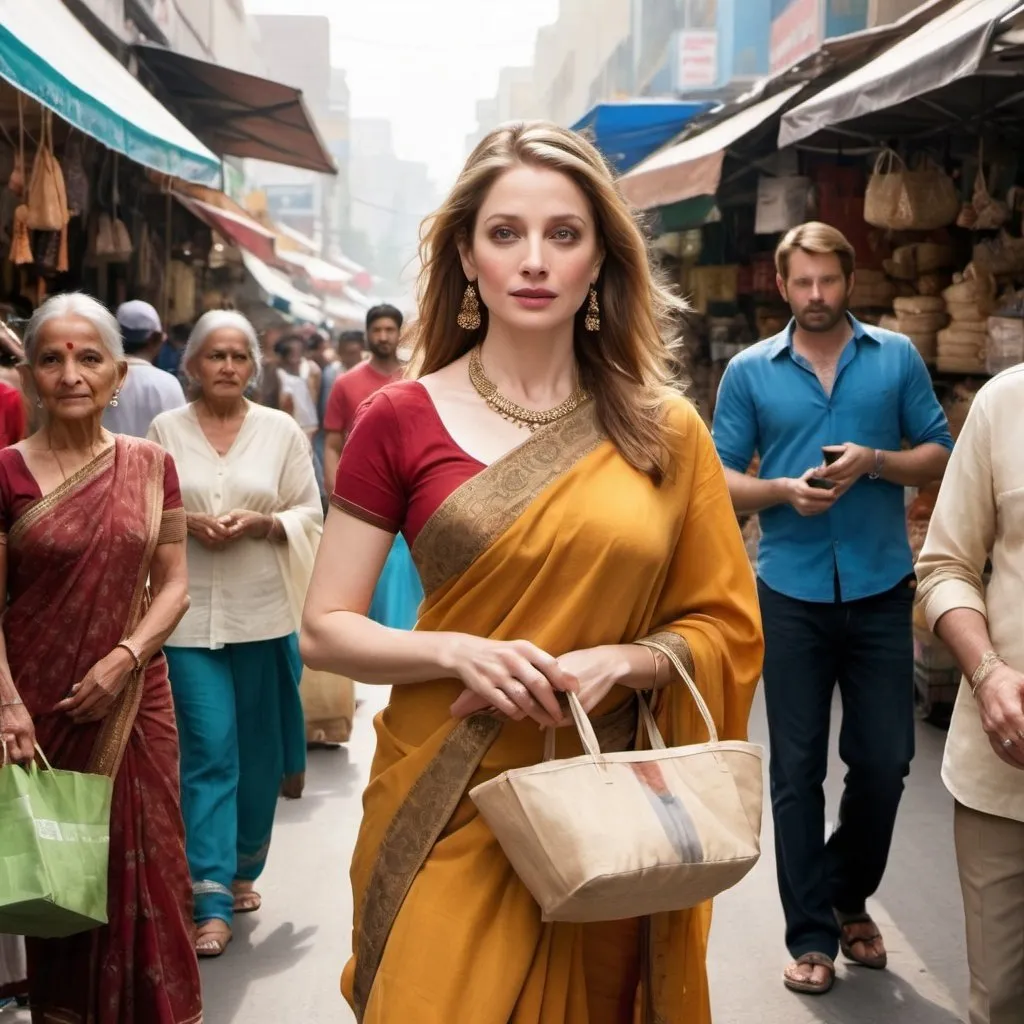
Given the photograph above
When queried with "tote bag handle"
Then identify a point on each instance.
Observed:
(586, 730)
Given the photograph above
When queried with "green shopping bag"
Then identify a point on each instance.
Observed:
(54, 848)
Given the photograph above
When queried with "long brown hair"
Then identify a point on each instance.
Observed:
(627, 366)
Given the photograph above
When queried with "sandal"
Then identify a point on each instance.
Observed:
(811, 988)
(293, 785)
(247, 899)
(847, 942)
(212, 938)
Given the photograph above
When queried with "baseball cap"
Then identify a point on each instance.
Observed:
(138, 320)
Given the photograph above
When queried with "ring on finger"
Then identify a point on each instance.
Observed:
(1007, 744)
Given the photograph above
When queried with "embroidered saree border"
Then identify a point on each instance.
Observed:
(63, 492)
(476, 514)
(675, 643)
(410, 837)
(173, 526)
(422, 817)
(117, 726)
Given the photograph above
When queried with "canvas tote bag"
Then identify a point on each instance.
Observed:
(604, 837)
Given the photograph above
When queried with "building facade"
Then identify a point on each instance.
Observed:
(601, 50)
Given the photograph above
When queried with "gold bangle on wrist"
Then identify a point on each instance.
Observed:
(990, 661)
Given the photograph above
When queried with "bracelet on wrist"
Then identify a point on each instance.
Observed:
(12, 703)
(130, 646)
(990, 661)
(879, 465)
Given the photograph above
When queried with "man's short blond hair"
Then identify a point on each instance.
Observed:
(817, 239)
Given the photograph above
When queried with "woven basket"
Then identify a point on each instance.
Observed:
(901, 199)
(933, 256)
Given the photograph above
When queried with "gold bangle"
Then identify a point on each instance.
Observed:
(990, 661)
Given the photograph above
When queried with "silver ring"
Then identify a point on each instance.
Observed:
(1007, 744)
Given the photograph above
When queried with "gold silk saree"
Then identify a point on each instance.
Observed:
(562, 543)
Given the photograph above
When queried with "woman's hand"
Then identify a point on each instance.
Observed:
(243, 523)
(598, 669)
(18, 733)
(92, 698)
(208, 530)
(1000, 700)
(512, 677)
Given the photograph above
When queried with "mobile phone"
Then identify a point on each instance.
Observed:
(830, 454)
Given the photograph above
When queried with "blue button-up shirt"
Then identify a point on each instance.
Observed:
(771, 402)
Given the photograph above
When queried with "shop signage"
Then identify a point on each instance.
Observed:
(696, 60)
(290, 200)
(796, 32)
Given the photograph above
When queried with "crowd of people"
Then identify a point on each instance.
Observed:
(172, 590)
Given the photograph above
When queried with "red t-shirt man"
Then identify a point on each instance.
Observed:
(351, 389)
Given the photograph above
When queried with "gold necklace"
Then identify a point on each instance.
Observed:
(509, 410)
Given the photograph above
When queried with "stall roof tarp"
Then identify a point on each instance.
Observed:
(630, 130)
(693, 167)
(238, 229)
(240, 114)
(281, 294)
(945, 49)
(47, 53)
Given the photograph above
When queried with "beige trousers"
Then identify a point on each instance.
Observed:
(990, 857)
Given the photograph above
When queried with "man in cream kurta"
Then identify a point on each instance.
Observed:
(979, 517)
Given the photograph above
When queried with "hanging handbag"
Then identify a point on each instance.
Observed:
(604, 837)
(54, 848)
(904, 199)
(47, 198)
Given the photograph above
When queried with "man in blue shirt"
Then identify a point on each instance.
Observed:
(835, 580)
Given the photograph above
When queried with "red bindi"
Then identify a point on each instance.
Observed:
(70, 346)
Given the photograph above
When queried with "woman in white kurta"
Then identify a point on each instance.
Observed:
(254, 519)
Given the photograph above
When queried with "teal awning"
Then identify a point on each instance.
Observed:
(47, 53)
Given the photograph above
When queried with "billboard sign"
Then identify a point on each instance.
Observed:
(797, 31)
(696, 60)
(291, 200)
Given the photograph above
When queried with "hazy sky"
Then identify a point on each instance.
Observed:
(424, 63)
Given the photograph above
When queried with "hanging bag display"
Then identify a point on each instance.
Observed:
(903, 199)
(54, 848)
(113, 243)
(47, 199)
(604, 837)
(21, 238)
(781, 204)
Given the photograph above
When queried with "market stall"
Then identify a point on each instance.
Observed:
(912, 150)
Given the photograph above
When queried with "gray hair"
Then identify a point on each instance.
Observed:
(221, 320)
(74, 304)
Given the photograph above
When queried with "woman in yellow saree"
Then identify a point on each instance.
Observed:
(572, 559)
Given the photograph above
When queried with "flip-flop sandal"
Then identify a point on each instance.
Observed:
(247, 901)
(212, 939)
(811, 988)
(877, 962)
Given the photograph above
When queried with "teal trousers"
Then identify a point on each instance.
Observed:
(241, 732)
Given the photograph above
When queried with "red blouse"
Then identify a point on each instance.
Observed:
(19, 490)
(400, 464)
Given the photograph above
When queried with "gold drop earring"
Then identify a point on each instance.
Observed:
(469, 315)
(592, 321)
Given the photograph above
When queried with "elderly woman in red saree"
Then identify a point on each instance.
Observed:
(572, 528)
(92, 557)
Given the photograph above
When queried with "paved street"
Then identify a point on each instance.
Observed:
(285, 962)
